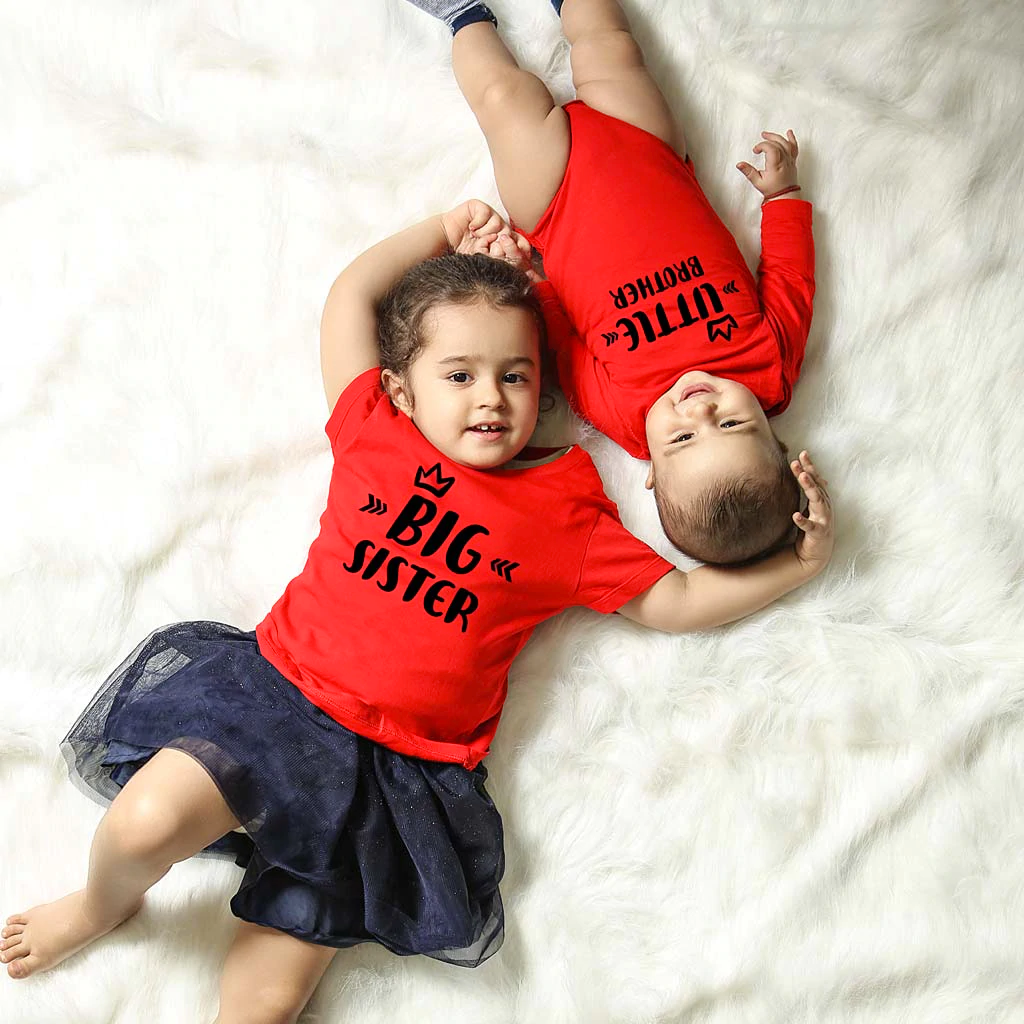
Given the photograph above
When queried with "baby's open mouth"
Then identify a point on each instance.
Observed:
(696, 389)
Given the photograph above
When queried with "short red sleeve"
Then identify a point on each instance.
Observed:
(617, 566)
(353, 407)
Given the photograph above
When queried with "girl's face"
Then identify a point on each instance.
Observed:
(473, 389)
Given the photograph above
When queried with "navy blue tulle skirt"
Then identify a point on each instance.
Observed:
(345, 841)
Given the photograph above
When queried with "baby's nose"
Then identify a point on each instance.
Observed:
(704, 409)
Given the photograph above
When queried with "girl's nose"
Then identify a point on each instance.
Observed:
(491, 396)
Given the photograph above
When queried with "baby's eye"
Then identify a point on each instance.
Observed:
(730, 423)
(682, 437)
(459, 377)
(514, 378)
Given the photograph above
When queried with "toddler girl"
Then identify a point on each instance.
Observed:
(337, 749)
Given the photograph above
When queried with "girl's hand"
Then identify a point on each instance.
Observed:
(472, 226)
(817, 533)
(779, 163)
(511, 247)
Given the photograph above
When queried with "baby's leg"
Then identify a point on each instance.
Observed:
(526, 131)
(169, 810)
(269, 976)
(608, 69)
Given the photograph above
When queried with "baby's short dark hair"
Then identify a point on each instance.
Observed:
(738, 520)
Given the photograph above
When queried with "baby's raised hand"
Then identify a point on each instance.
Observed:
(472, 226)
(817, 525)
(779, 163)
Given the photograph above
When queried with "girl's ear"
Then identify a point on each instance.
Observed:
(649, 484)
(398, 391)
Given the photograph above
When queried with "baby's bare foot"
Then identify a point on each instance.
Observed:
(42, 937)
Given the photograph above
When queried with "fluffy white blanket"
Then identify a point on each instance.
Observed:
(815, 815)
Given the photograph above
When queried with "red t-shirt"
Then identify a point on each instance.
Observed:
(654, 285)
(428, 577)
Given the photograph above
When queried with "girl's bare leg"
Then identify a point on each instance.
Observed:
(169, 810)
(526, 131)
(269, 976)
(608, 69)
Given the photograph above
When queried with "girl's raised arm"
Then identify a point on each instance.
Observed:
(348, 328)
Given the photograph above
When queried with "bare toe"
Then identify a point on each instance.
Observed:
(14, 929)
(48, 934)
(22, 968)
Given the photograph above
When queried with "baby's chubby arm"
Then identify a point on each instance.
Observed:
(348, 328)
(711, 596)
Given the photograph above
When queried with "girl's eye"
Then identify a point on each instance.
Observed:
(514, 378)
(683, 437)
(459, 377)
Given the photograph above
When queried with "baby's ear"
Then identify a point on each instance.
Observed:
(397, 391)
(650, 478)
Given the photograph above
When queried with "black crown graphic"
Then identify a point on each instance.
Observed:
(722, 327)
(431, 480)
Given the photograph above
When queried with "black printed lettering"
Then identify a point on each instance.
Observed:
(375, 563)
(645, 322)
(358, 555)
(458, 545)
(684, 311)
(682, 273)
(645, 287)
(464, 603)
(665, 278)
(433, 597)
(630, 328)
(390, 580)
(419, 574)
(619, 298)
(695, 267)
(441, 531)
(665, 327)
(702, 306)
(406, 528)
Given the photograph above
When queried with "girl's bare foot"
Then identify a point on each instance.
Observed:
(42, 937)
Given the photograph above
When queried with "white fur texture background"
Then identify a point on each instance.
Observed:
(816, 815)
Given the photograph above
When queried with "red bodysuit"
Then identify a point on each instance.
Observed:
(654, 285)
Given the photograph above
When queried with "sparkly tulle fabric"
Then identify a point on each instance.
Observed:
(345, 841)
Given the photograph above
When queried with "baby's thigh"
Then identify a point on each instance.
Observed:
(530, 158)
(610, 76)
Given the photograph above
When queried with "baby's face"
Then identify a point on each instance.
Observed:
(473, 389)
(705, 428)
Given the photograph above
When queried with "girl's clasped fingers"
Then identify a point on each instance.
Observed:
(524, 246)
(504, 248)
(484, 219)
(513, 249)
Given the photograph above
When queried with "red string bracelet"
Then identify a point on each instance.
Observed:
(781, 192)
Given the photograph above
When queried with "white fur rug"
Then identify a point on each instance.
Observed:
(816, 815)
